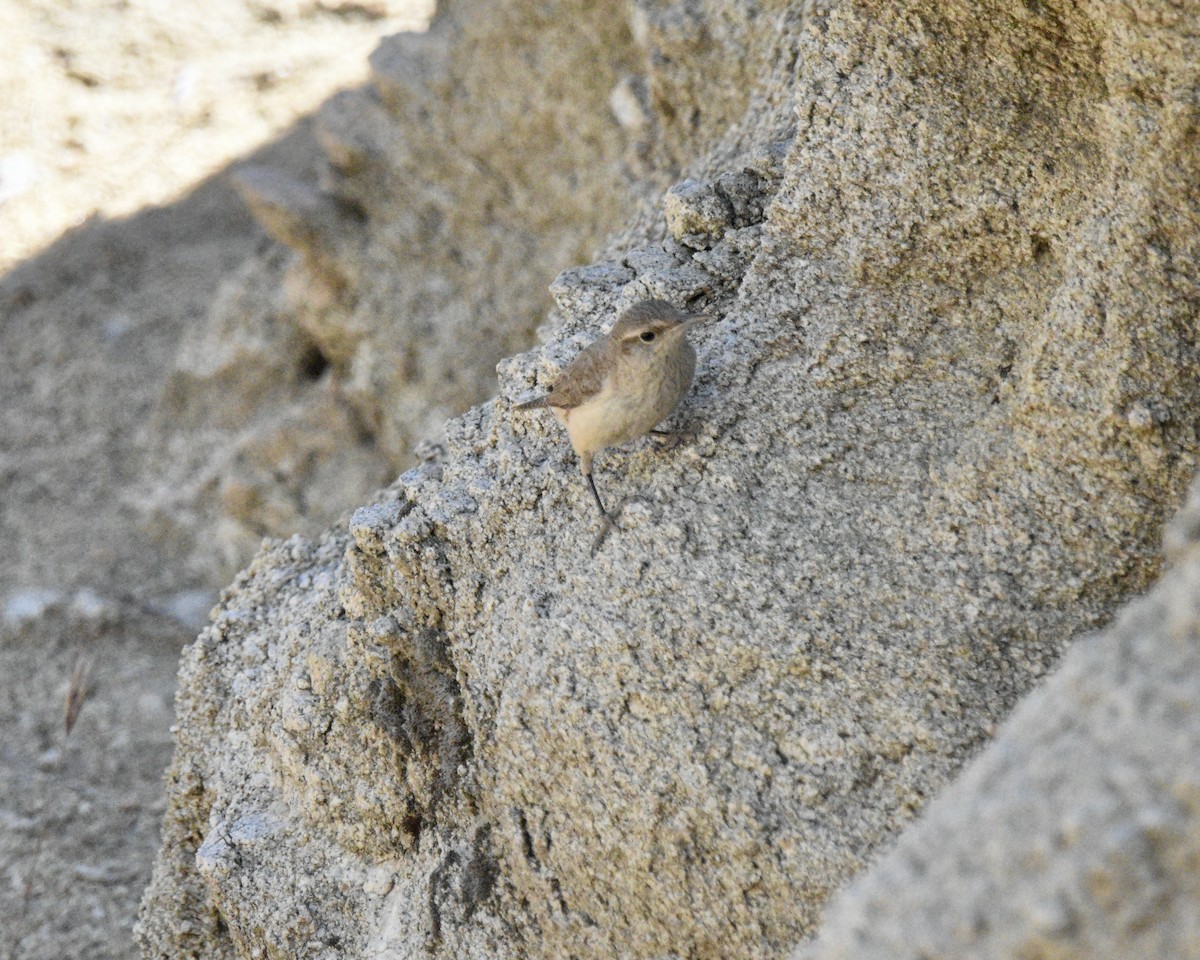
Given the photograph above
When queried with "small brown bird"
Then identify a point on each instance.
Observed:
(619, 387)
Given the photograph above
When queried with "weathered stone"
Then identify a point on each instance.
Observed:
(1077, 833)
(696, 213)
(943, 408)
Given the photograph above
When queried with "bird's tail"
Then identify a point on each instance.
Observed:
(532, 404)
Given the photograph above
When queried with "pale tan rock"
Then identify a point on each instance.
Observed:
(1076, 833)
(959, 252)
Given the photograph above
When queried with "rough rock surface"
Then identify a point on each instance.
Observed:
(949, 397)
(1076, 834)
(418, 258)
(104, 110)
(485, 156)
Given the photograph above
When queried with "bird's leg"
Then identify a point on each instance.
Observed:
(585, 465)
(607, 525)
(596, 494)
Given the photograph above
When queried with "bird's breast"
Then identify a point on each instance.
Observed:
(632, 399)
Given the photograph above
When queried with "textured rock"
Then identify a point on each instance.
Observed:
(254, 436)
(945, 406)
(417, 261)
(1077, 833)
(484, 157)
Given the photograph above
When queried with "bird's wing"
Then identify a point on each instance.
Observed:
(583, 378)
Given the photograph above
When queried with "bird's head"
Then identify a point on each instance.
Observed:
(652, 325)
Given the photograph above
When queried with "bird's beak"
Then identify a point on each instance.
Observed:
(692, 319)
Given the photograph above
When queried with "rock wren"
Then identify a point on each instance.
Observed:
(619, 387)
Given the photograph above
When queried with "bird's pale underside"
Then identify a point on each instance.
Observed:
(622, 385)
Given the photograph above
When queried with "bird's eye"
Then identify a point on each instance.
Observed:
(647, 336)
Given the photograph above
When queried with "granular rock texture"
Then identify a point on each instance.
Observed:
(1077, 833)
(405, 271)
(450, 188)
(948, 398)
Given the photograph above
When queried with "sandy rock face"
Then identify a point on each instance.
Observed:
(1076, 833)
(485, 156)
(946, 402)
(402, 273)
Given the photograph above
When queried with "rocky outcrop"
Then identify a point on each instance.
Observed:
(1077, 832)
(404, 271)
(946, 403)
(418, 256)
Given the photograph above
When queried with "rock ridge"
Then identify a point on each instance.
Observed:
(945, 406)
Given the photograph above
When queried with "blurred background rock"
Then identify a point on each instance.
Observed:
(118, 234)
(947, 406)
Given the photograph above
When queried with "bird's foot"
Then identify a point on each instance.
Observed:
(669, 439)
(608, 523)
